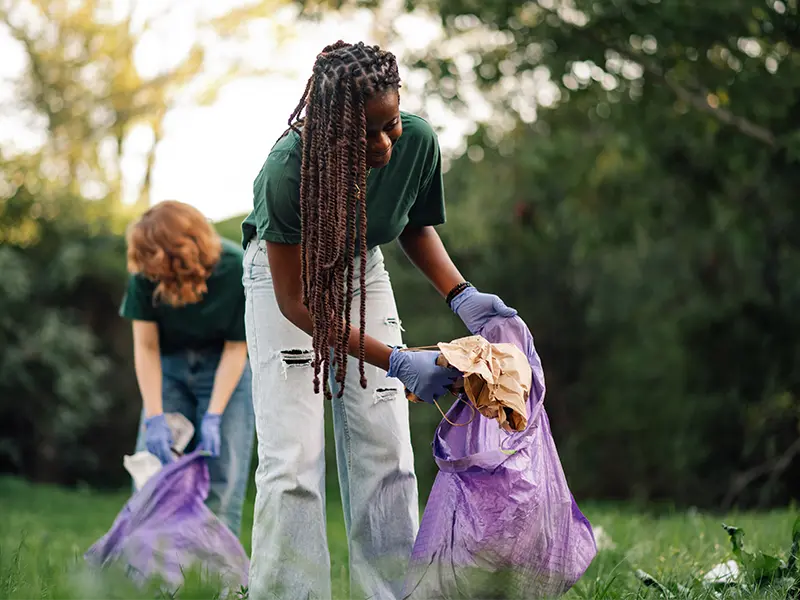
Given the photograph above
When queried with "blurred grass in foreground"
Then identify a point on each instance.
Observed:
(44, 532)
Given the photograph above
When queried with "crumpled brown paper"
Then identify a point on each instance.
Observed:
(497, 378)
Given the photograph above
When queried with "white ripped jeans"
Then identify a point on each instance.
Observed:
(290, 559)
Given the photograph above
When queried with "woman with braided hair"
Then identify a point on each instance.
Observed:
(352, 174)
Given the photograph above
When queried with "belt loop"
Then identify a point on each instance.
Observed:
(247, 260)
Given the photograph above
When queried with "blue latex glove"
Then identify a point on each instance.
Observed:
(210, 440)
(476, 309)
(158, 438)
(420, 374)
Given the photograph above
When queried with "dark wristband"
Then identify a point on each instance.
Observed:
(456, 291)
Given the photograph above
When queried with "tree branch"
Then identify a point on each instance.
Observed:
(143, 201)
(149, 22)
(699, 102)
(694, 99)
(771, 467)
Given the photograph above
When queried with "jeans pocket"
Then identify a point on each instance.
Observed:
(256, 265)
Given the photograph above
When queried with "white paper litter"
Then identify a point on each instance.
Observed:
(141, 466)
(723, 573)
(602, 539)
(182, 430)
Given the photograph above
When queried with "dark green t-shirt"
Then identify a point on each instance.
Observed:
(217, 318)
(407, 191)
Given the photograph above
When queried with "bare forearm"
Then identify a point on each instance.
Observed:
(147, 363)
(376, 352)
(229, 372)
(284, 262)
(425, 250)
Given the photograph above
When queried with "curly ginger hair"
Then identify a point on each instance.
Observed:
(174, 245)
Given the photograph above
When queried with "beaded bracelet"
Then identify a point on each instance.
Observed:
(456, 291)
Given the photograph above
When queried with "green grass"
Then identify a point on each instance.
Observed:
(44, 532)
(231, 228)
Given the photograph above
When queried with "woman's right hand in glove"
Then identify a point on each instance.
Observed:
(420, 374)
(158, 438)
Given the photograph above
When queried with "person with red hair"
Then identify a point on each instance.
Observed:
(186, 300)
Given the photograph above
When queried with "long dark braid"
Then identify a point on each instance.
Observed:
(333, 194)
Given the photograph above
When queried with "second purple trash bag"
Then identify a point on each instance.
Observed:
(500, 521)
(166, 528)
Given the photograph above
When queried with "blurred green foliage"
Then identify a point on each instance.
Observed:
(67, 392)
(645, 224)
(68, 396)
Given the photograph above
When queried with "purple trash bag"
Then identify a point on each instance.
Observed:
(501, 521)
(166, 528)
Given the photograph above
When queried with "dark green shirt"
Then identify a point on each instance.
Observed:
(217, 318)
(407, 191)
